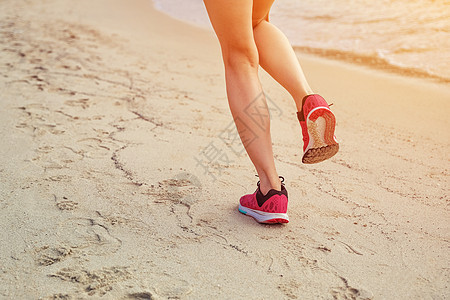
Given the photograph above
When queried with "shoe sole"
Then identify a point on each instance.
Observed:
(323, 145)
(264, 217)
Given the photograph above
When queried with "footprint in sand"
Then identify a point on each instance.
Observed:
(59, 296)
(140, 296)
(348, 292)
(290, 288)
(66, 204)
(83, 103)
(172, 288)
(95, 282)
(186, 187)
(46, 256)
(86, 236)
(180, 193)
(36, 120)
(89, 236)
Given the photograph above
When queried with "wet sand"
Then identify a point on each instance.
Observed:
(110, 113)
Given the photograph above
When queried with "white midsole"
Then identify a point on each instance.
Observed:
(262, 216)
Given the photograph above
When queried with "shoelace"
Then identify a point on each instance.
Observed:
(281, 177)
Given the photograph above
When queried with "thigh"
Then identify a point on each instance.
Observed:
(231, 20)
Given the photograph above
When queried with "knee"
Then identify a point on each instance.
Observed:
(238, 55)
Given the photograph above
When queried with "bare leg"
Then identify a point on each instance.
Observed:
(232, 22)
(278, 58)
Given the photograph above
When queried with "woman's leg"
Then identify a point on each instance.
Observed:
(278, 58)
(232, 22)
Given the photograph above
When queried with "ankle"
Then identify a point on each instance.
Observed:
(268, 183)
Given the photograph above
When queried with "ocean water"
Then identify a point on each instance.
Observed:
(407, 36)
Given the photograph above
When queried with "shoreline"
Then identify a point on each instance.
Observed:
(373, 61)
(107, 111)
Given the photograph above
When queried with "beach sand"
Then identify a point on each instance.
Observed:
(120, 178)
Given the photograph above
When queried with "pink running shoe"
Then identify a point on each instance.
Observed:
(318, 124)
(269, 209)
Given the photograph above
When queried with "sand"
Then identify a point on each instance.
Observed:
(120, 175)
